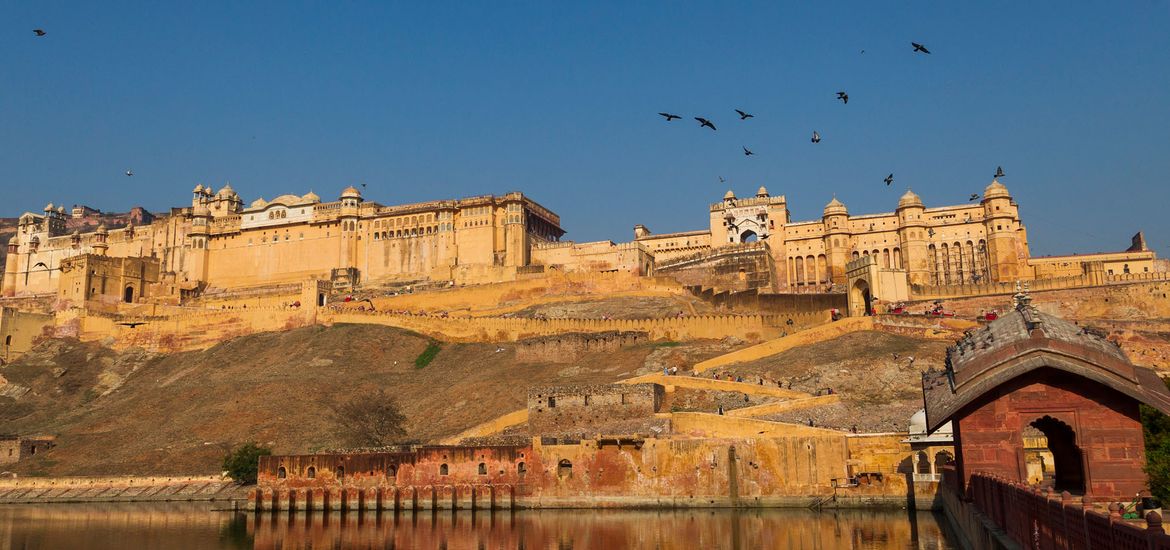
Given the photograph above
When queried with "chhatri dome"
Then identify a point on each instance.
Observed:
(995, 190)
(311, 197)
(351, 192)
(259, 203)
(198, 188)
(762, 191)
(729, 195)
(909, 199)
(835, 207)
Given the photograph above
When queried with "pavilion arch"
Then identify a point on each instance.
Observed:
(1068, 459)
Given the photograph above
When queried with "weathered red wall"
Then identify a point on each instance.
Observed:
(1107, 426)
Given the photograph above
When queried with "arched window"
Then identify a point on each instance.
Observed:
(886, 258)
(564, 468)
(128, 296)
(311, 473)
(442, 469)
(281, 473)
(482, 469)
(521, 469)
(341, 472)
(1125, 268)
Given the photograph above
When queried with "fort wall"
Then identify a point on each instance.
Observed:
(567, 348)
(560, 408)
(20, 331)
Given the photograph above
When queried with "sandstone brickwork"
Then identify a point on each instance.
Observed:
(561, 408)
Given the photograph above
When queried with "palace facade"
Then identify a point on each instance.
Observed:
(219, 242)
(980, 242)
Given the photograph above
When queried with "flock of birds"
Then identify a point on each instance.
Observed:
(843, 96)
(743, 115)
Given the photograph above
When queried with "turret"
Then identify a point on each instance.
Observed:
(351, 200)
(913, 238)
(835, 219)
(101, 237)
(11, 264)
(516, 249)
(1006, 248)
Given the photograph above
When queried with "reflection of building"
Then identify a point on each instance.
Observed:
(1028, 373)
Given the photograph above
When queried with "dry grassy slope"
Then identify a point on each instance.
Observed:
(878, 393)
(178, 413)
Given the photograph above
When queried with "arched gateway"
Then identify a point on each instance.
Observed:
(1037, 399)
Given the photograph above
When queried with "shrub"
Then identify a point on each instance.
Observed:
(427, 355)
(371, 419)
(1156, 428)
(242, 463)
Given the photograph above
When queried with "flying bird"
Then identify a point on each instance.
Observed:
(973, 197)
(889, 179)
(129, 172)
(747, 152)
(132, 324)
(919, 47)
(721, 180)
(704, 122)
(844, 97)
(816, 137)
(669, 117)
(998, 172)
(743, 115)
(41, 264)
(39, 32)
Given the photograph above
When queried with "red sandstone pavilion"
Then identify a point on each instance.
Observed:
(1028, 372)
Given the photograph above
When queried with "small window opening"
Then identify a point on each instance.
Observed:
(341, 472)
(552, 402)
(482, 469)
(311, 473)
(521, 469)
(443, 469)
(281, 473)
(564, 468)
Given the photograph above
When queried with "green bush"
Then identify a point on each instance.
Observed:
(427, 355)
(242, 463)
(1156, 428)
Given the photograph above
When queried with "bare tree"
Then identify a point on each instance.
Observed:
(370, 419)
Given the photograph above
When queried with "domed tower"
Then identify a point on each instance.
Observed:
(351, 201)
(101, 238)
(836, 221)
(197, 243)
(913, 238)
(1007, 247)
(11, 264)
(54, 222)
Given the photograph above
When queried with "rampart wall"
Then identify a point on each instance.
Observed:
(567, 348)
(499, 329)
(553, 409)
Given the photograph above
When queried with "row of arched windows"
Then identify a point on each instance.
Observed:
(958, 263)
(402, 233)
(886, 258)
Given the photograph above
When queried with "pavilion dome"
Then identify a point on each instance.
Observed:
(729, 195)
(910, 198)
(259, 203)
(995, 190)
(835, 207)
(351, 192)
(762, 191)
(311, 197)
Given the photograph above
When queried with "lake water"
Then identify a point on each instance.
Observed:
(189, 526)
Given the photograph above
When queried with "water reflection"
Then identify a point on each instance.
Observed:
(185, 526)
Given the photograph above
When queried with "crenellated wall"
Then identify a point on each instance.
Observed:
(567, 348)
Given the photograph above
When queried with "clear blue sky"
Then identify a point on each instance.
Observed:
(424, 102)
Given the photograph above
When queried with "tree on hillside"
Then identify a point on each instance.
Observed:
(242, 463)
(370, 419)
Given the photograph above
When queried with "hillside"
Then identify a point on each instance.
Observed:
(878, 391)
(135, 412)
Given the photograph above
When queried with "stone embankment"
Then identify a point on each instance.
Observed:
(119, 489)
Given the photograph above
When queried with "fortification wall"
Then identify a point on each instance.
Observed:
(770, 303)
(566, 348)
(734, 268)
(560, 408)
(500, 298)
(500, 329)
(182, 331)
(20, 331)
(1147, 299)
(618, 471)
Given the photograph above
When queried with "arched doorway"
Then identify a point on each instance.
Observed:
(860, 302)
(1068, 470)
(748, 236)
(128, 295)
(320, 299)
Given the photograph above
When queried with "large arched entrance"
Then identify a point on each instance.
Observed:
(748, 236)
(1068, 470)
(128, 295)
(860, 302)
